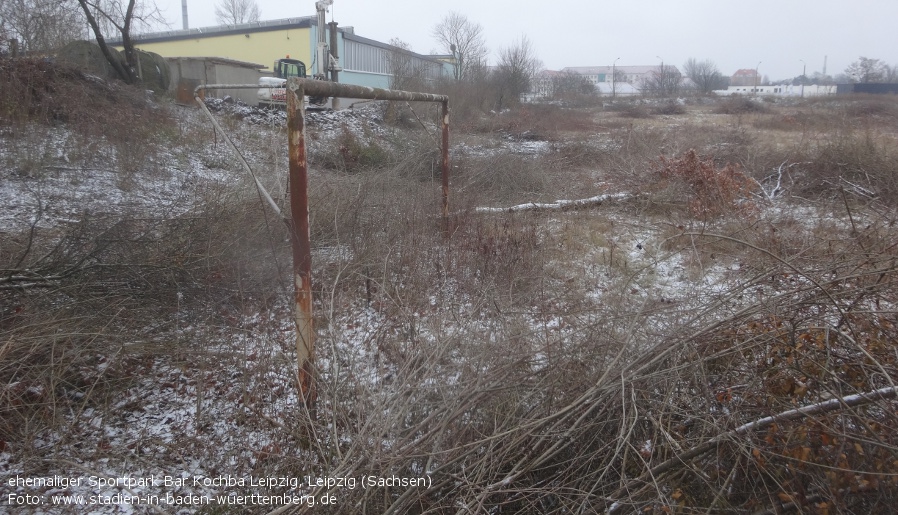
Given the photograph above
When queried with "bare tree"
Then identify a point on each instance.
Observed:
(704, 74)
(118, 16)
(569, 84)
(235, 12)
(663, 83)
(404, 74)
(518, 65)
(39, 25)
(891, 74)
(867, 70)
(619, 76)
(820, 78)
(463, 39)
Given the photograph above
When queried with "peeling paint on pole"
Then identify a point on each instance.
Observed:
(321, 88)
(302, 245)
(298, 221)
(299, 202)
(444, 151)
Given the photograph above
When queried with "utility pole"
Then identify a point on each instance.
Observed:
(804, 77)
(612, 80)
(661, 77)
(335, 60)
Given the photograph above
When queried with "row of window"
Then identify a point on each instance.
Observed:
(360, 57)
(606, 77)
(758, 90)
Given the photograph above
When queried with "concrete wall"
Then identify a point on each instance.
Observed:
(875, 88)
(188, 73)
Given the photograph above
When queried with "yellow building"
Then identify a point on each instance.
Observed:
(260, 42)
(365, 62)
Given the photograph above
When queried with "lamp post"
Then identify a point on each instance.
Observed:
(804, 77)
(612, 81)
(661, 77)
(757, 78)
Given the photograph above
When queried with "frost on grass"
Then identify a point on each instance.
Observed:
(549, 356)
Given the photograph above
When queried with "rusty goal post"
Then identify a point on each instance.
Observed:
(298, 183)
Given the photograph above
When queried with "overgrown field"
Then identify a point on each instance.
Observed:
(712, 329)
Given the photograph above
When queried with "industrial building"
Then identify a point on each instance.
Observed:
(363, 61)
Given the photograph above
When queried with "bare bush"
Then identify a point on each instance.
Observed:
(105, 288)
(712, 191)
(669, 108)
(855, 161)
(872, 108)
(39, 25)
(633, 110)
(350, 153)
(632, 425)
(739, 105)
(574, 89)
(530, 362)
(39, 91)
(540, 122)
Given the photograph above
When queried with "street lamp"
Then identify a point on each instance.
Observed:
(756, 77)
(804, 77)
(612, 80)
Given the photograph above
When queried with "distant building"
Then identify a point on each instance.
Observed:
(365, 62)
(628, 80)
(745, 77)
(810, 90)
(542, 86)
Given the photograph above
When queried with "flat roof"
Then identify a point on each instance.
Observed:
(221, 30)
(260, 26)
(219, 60)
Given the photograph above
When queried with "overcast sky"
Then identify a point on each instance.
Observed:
(776, 33)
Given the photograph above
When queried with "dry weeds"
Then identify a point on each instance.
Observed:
(627, 359)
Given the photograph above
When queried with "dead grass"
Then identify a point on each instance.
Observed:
(740, 105)
(36, 90)
(536, 362)
(540, 122)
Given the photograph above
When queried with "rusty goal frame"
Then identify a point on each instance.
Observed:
(298, 184)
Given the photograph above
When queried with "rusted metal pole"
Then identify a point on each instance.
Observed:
(335, 53)
(302, 245)
(321, 88)
(298, 221)
(444, 123)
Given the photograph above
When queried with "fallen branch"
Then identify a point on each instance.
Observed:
(19, 278)
(786, 416)
(25, 280)
(778, 189)
(772, 194)
(557, 205)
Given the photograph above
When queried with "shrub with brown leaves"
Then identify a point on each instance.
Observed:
(713, 191)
